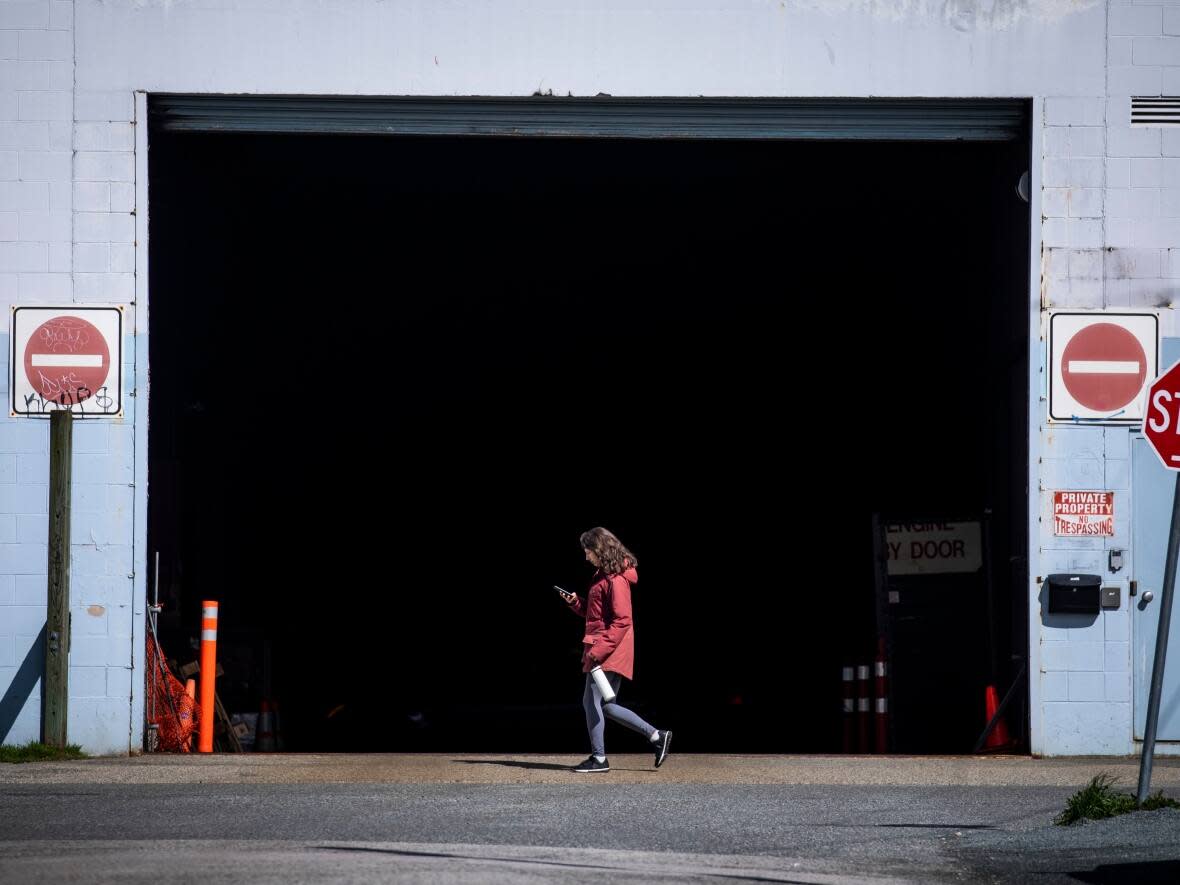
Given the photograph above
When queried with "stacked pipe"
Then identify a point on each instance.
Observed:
(866, 705)
(862, 708)
(849, 683)
(881, 714)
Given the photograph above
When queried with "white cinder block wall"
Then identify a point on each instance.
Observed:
(67, 233)
(69, 155)
(1111, 239)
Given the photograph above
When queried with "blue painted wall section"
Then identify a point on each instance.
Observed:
(102, 586)
(1085, 673)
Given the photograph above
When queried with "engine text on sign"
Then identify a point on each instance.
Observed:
(1083, 514)
(933, 548)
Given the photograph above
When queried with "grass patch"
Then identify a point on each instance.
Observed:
(1158, 800)
(34, 751)
(1099, 799)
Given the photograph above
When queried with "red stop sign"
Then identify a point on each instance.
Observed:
(67, 360)
(1161, 425)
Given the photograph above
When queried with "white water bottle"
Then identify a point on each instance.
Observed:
(600, 680)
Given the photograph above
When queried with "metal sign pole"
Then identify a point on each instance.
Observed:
(153, 729)
(1161, 650)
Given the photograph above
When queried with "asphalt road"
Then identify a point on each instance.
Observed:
(569, 829)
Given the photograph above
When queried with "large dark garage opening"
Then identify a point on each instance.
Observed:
(393, 378)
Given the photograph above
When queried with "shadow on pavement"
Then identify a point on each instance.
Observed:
(539, 862)
(544, 766)
(938, 826)
(1148, 872)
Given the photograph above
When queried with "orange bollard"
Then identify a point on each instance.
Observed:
(208, 673)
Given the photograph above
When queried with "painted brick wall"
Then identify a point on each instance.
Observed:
(1085, 662)
(68, 194)
(1111, 239)
(67, 233)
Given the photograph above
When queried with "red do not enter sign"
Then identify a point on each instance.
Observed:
(67, 360)
(1104, 367)
(66, 357)
(1100, 363)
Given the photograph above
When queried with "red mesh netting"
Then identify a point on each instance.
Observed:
(176, 720)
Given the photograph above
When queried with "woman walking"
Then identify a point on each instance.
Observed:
(609, 643)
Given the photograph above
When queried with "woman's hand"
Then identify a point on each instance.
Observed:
(568, 596)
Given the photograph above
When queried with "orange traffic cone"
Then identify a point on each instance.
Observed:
(998, 737)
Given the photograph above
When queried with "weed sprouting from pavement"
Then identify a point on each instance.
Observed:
(1098, 800)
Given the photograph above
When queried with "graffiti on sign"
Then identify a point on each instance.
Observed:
(81, 401)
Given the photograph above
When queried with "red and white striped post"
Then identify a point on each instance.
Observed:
(849, 682)
(882, 712)
(208, 673)
(862, 708)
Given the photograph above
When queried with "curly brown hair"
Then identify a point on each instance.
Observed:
(612, 555)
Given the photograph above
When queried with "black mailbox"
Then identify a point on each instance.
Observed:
(1075, 594)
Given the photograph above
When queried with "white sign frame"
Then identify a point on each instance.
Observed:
(1063, 326)
(25, 401)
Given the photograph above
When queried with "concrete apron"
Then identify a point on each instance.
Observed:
(486, 768)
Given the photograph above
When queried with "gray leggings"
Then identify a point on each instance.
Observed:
(592, 703)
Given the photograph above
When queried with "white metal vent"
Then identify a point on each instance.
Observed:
(1155, 110)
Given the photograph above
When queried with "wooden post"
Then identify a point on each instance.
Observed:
(57, 615)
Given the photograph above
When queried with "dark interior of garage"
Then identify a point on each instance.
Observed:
(394, 378)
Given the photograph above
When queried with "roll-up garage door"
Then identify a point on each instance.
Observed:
(602, 117)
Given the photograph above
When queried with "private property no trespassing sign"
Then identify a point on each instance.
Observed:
(67, 358)
(1083, 514)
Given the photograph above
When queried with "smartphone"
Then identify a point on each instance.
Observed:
(562, 591)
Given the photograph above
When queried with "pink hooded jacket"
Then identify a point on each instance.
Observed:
(610, 636)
